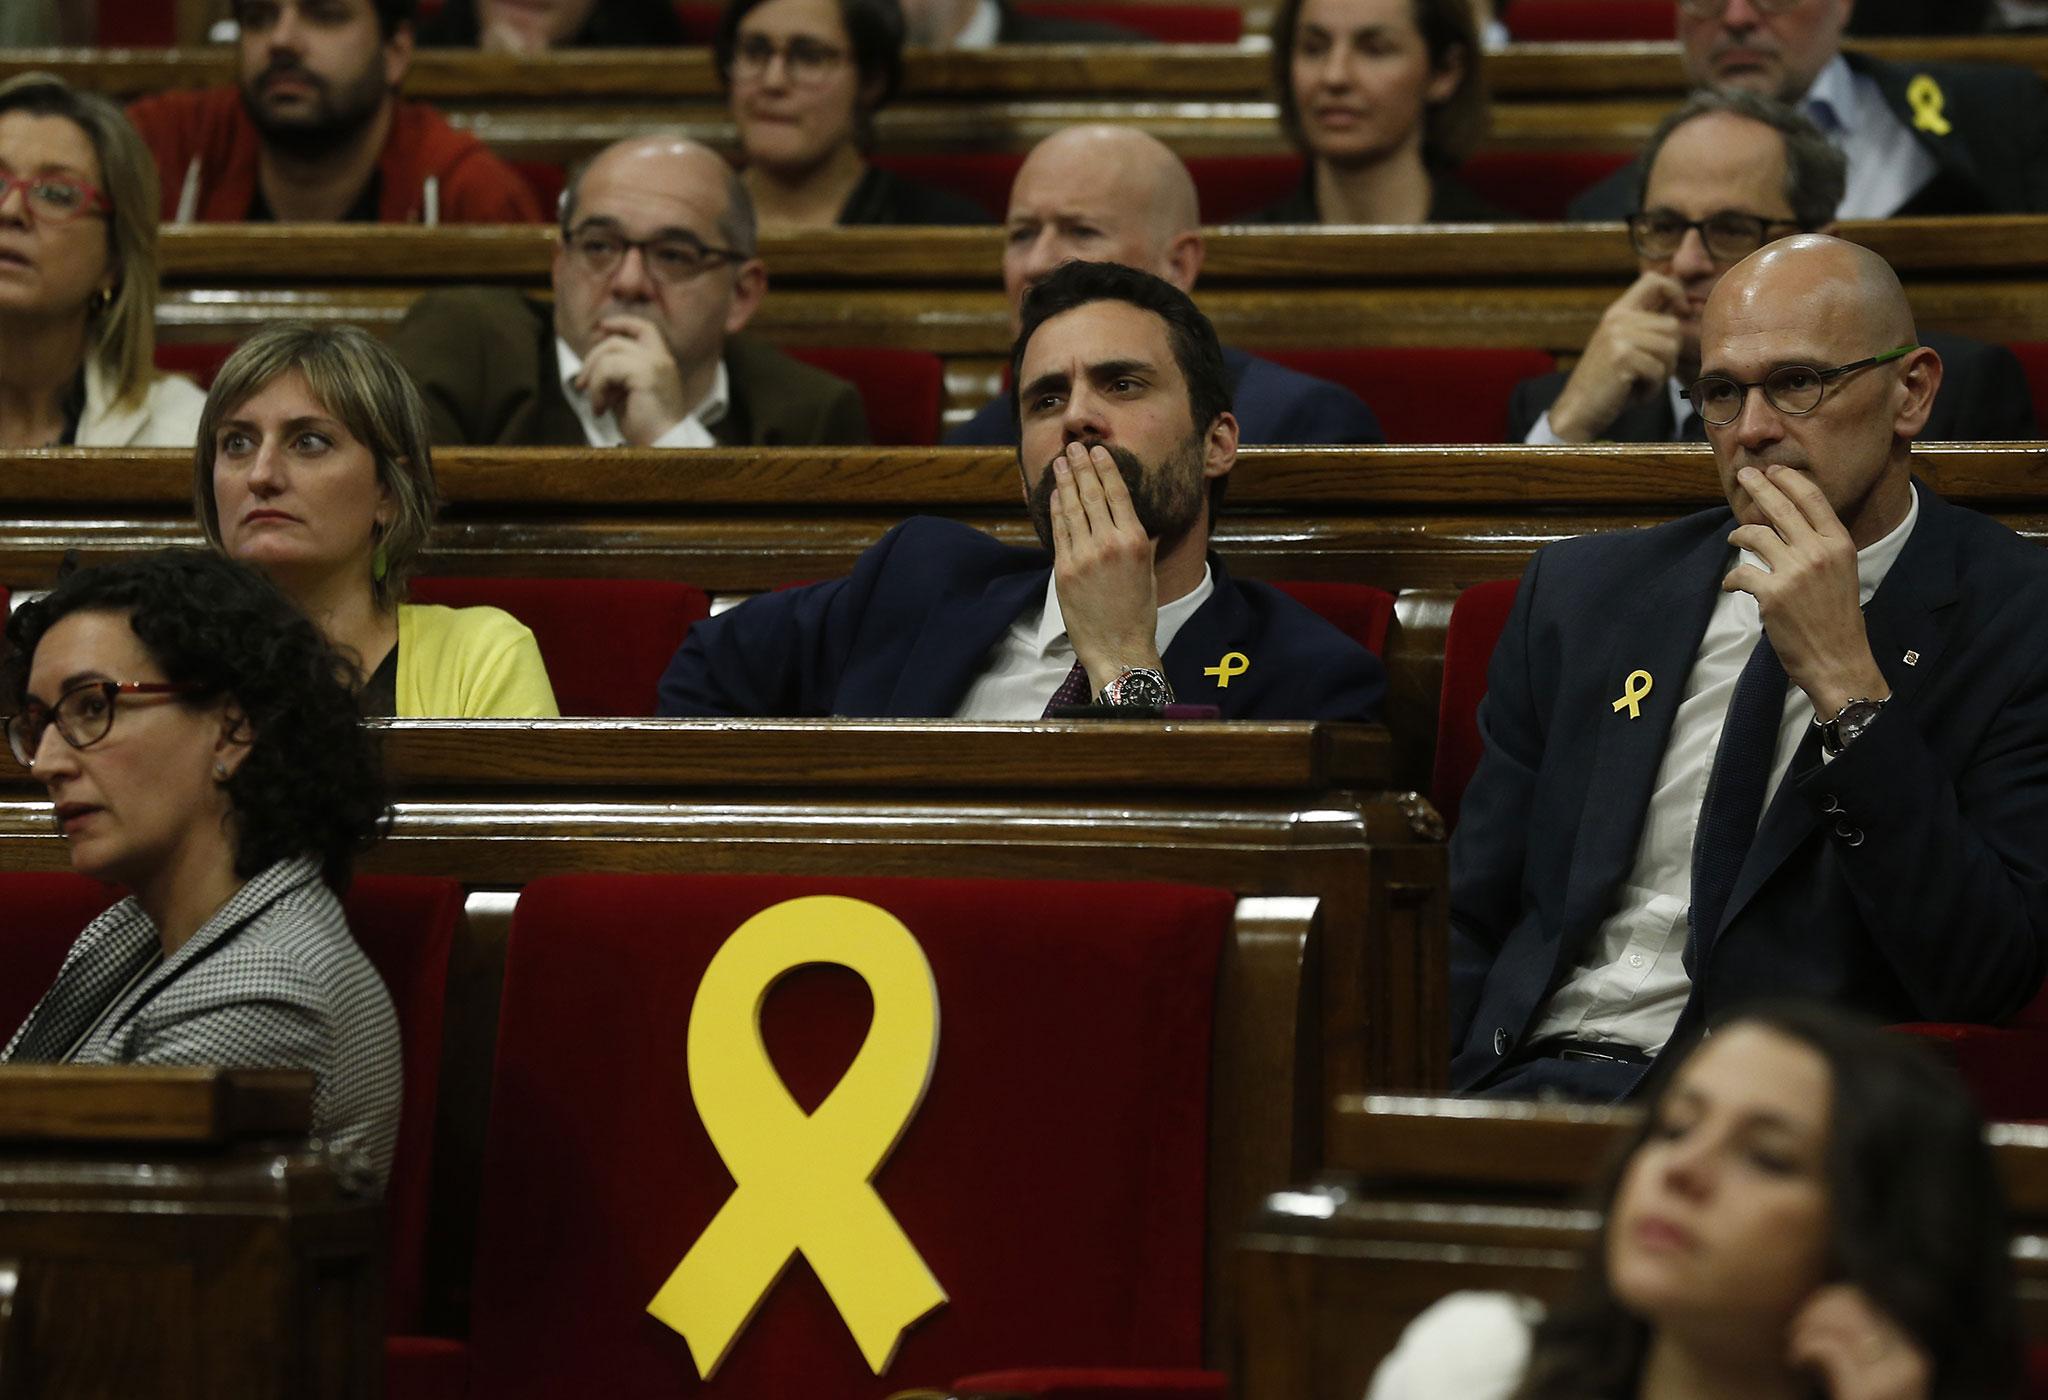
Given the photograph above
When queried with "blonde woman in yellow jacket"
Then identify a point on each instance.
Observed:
(313, 466)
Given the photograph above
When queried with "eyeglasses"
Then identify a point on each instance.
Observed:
(670, 257)
(1713, 9)
(83, 714)
(1729, 236)
(57, 199)
(804, 60)
(1793, 389)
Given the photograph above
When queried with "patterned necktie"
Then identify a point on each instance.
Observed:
(1073, 691)
(1736, 790)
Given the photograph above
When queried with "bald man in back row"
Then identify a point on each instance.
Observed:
(1795, 745)
(1111, 194)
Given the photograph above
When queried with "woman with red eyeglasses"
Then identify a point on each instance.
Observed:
(198, 740)
(78, 278)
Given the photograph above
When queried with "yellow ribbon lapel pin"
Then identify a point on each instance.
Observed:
(1233, 665)
(1925, 97)
(1633, 691)
(803, 1182)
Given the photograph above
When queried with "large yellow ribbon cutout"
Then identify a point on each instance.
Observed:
(802, 1182)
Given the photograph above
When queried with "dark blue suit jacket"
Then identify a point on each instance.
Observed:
(1275, 407)
(906, 633)
(1909, 877)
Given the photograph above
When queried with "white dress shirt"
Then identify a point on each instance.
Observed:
(1632, 984)
(1541, 434)
(602, 430)
(1034, 656)
(1887, 166)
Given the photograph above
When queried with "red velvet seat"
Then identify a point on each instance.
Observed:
(1053, 1180)
(1590, 21)
(1476, 622)
(982, 176)
(2033, 358)
(1231, 187)
(1424, 394)
(546, 179)
(1358, 610)
(405, 925)
(605, 641)
(1539, 185)
(903, 390)
(137, 24)
(197, 360)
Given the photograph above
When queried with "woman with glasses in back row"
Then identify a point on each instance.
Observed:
(78, 278)
(200, 743)
(805, 79)
(313, 467)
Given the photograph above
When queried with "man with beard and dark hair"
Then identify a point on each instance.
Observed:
(1126, 439)
(315, 130)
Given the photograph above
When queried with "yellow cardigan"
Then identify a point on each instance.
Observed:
(469, 663)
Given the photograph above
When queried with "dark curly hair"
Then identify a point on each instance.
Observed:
(1917, 1220)
(311, 783)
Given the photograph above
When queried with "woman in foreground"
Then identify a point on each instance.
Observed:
(1809, 1210)
(200, 743)
(313, 466)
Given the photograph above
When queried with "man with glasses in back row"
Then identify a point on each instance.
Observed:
(1796, 745)
(655, 277)
(1723, 174)
(1920, 138)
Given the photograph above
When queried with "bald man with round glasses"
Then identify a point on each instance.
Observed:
(1794, 745)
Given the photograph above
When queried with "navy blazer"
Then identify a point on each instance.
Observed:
(1908, 877)
(1275, 407)
(906, 633)
(1984, 398)
(1993, 159)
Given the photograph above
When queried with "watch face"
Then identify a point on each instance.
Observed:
(1138, 690)
(1856, 718)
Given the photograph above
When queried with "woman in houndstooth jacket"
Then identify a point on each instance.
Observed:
(199, 740)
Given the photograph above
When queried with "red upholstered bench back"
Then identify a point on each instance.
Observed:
(605, 641)
(1053, 1180)
(1358, 610)
(902, 390)
(1234, 186)
(197, 360)
(1539, 184)
(405, 925)
(1476, 622)
(1167, 23)
(1580, 21)
(2033, 358)
(982, 176)
(1422, 394)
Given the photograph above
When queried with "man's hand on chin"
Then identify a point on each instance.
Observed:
(1809, 600)
(631, 373)
(1102, 565)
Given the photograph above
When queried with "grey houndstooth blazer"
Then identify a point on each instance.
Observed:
(273, 979)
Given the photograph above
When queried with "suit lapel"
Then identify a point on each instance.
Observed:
(1202, 642)
(91, 978)
(1904, 614)
(953, 645)
(1660, 634)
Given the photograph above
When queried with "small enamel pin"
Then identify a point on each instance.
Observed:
(1912, 658)
(1233, 664)
(1632, 692)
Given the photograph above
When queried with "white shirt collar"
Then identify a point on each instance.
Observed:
(1836, 88)
(603, 430)
(1680, 404)
(981, 30)
(1051, 631)
(1875, 559)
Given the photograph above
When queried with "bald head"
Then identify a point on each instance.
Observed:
(674, 166)
(1851, 391)
(1101, 194)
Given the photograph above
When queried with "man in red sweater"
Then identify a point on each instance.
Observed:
(316, 131)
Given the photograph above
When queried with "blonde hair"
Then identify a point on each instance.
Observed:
(358, 381)
(122, 331)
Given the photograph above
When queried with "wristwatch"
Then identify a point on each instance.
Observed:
(1137, 688)
(1849, 722)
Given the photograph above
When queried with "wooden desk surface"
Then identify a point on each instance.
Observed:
(106, 1104)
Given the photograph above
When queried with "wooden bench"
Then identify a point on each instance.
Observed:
(1425, 1197)
(1204, 100)
(1420, 522)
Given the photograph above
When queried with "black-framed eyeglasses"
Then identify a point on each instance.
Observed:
(804, 60)
(58, 198)
(83, 714)
(670, 257)
(1713, 9)
(1794, 389)
(1730, 236)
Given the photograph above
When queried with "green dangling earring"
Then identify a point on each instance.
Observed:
(380, 561)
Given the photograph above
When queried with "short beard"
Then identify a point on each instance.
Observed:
(1168, 500)
(337, 121)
